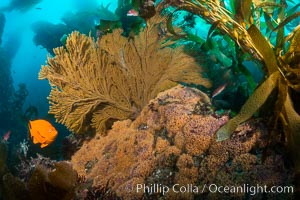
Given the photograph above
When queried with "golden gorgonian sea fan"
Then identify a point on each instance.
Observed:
(97, 82)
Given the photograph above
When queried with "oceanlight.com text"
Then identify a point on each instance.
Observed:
(250, 189)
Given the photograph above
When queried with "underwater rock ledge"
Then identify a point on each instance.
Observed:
(173, 141)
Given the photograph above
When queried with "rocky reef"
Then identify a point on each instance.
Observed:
(173, 141)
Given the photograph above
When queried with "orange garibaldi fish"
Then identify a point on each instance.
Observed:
(41, 131)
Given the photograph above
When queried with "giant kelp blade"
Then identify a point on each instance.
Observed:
(292, 55)
(269, 7)
(255, 101)
(292, 10)
(195, 38)
(212, 29)
(170, 26)
(292, 131)
(262, 45)
(280, 34)
(248, 76)
(243, 9)
(246, 8)
(287, 20)
(236, 7)
(269, 23)
(295, 42)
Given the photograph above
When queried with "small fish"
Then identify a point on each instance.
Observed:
(132, 13)
(63, 39)
(220, 89)
(6, 136)
(41, 131)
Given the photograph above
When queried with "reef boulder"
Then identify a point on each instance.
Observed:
(172, 145)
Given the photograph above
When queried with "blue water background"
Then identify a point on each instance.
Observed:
(28, 59)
